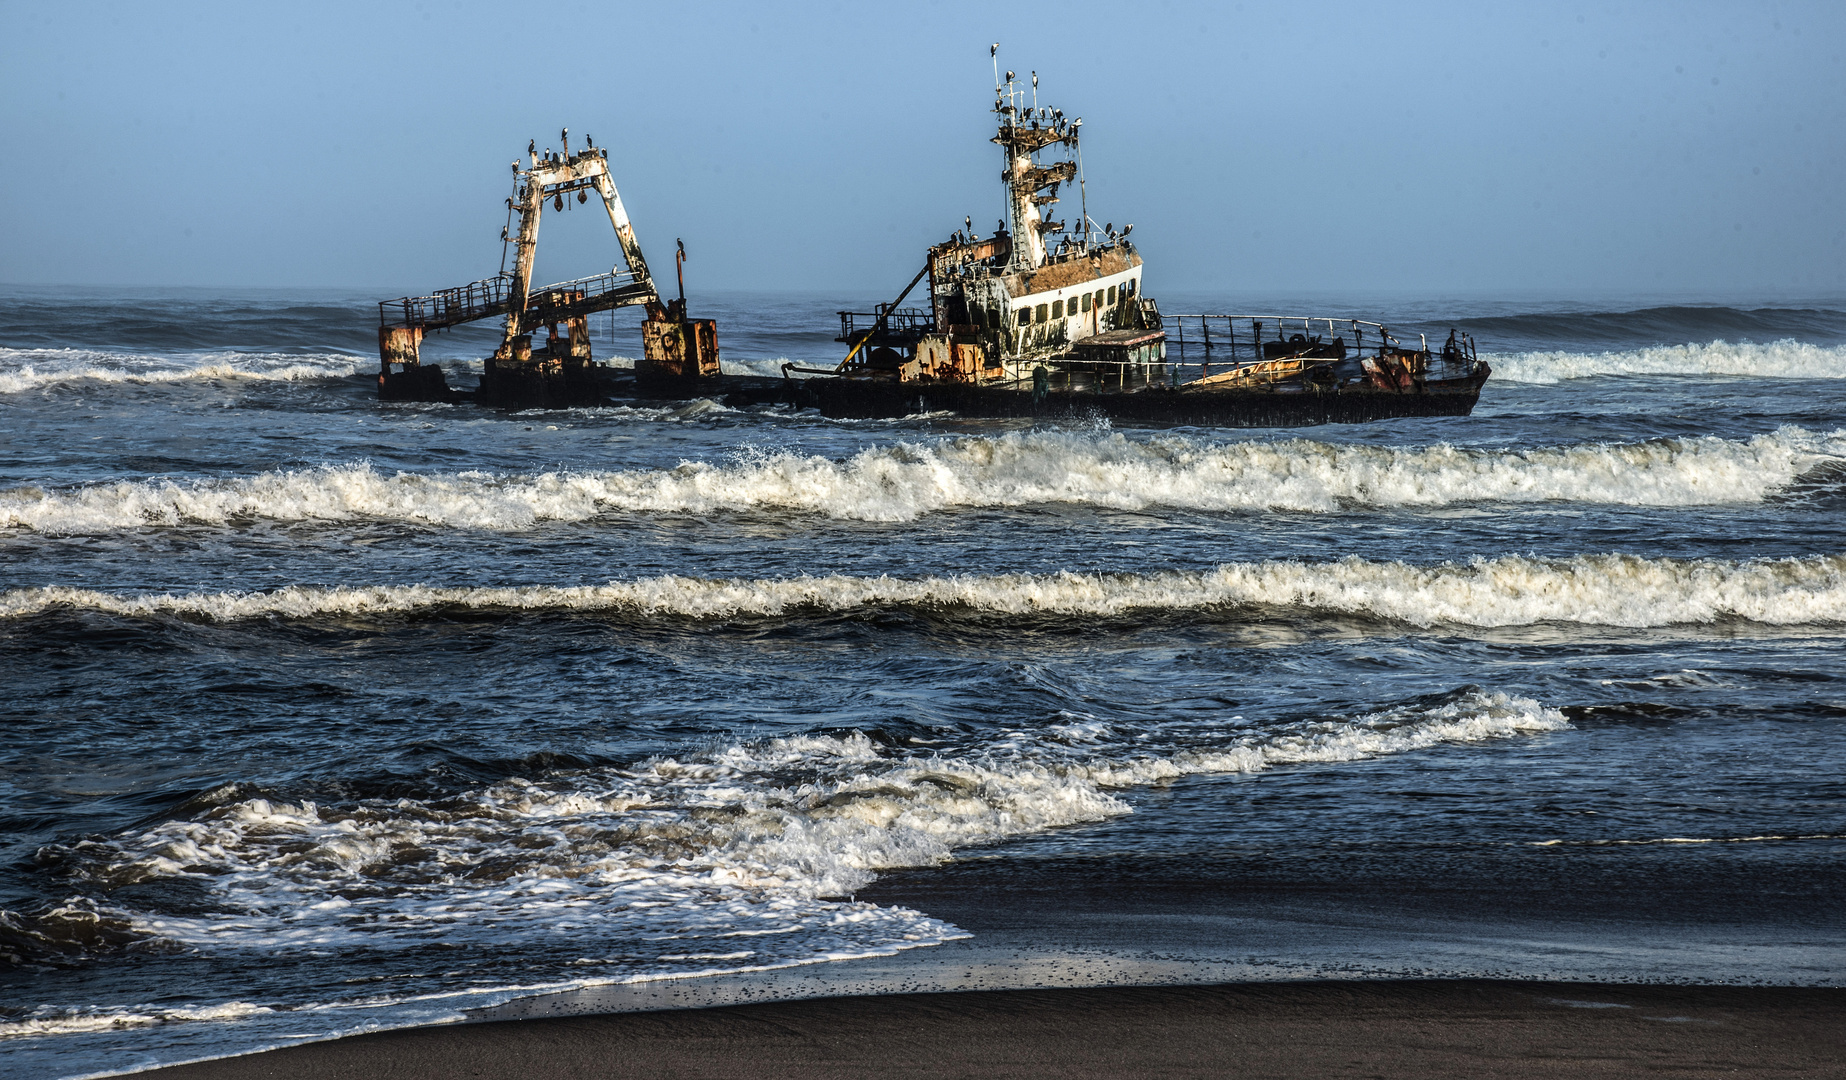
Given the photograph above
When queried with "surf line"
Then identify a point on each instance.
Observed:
(1606, 590)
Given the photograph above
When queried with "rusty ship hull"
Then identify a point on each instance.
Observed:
(866, 400)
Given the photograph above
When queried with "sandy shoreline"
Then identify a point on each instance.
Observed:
(1437, 1028)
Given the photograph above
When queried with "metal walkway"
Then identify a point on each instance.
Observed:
(494, 296)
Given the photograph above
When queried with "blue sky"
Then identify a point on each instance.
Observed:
(1568, 150)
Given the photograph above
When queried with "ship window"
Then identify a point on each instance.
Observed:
(1128, 287)
(1086, 301)
(1099, 298)
(1112, 294)
(1025, 316)
(1040, 311)
(1057, 309)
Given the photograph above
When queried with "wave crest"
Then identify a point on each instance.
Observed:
(722, 854)
(1604, 590)
(1786, 359)
(907, 480)
(29, 369)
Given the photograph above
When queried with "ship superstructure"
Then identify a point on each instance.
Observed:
(1047, 290)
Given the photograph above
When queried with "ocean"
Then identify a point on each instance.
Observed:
(324, 715)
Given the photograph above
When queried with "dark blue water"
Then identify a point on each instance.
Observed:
(324, 714)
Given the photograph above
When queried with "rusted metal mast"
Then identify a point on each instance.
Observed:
(1031, 187)
(550, 179)
(561, 373)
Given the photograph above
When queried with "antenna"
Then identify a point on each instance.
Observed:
(993, 51)
(1035, 89)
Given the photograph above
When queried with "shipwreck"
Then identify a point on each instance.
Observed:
(1044, 317)
(560, 372)
(1047, 316)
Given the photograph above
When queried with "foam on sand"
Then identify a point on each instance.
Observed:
(907, 480)
(1604, 590)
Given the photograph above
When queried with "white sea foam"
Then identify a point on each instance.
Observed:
(696, 863)
(721, 855)
(1776, 838)
(906, 480)
(1605, 590)
(770, 366)
(28, 369)
(51, 1020)
(1785, 359)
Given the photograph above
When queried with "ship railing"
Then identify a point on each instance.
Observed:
(1199, 345)
(447, 307)
(898, 322)
(1069, 251)
(590, 287)
(1078, 247)
(1230, 331)
(488, 297)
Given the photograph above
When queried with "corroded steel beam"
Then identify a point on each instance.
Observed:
(551, 178)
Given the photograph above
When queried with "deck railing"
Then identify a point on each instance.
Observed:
(488, 297)
(448, 307)
(1239, 338)
(898, 322)
(585, 289)
(1199, 345)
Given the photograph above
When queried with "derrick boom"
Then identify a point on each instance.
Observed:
(560, 372)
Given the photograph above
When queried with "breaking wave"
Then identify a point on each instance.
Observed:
(906, 480)
(29, 369)
(1604, 590)
(768, 366)
(729, 857)
(1786, 359)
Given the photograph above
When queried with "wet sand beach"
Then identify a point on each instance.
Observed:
(1472, 1028)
